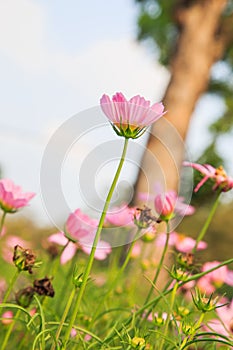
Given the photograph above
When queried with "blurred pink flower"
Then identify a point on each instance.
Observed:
(181, 242)
(186, 244)
(3, 231)
(165, 205)
(87, 337)
(218, 175)
(161, 239)
(136, 251)
(73, 333)
(130, 118)
(223, 325)
(11, 196)
(7, 317)
(215, 279)
(8, 247)
(32, 312)
(80, 229)
(168, 203)
(121, 216)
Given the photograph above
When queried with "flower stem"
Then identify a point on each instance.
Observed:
(207, 223)
(159, 265)
(119, 274)
(191, 336)
(127, 258)
(2, 221)
(12, 282)
(9, 331)
(65, 313)
(173, 296)
(154, 301)
(96, 239)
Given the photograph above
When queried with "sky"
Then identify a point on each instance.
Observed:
(56, 60)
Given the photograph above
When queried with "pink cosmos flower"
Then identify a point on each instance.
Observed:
(8, 247)
(186, 244)
(181, 242)
(215, 279)
(165, 205)
(121, 216)
(73, 334)
(130, 118)
(223, 325)
(7, 317)
(80, 229)
(11, 196)
(218, 175)
(136, 251)
(168, 203)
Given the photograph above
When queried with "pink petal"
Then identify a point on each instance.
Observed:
(102, 250)
(58, 238)
(68, 253)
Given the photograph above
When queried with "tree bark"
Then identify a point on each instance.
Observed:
(201, 43)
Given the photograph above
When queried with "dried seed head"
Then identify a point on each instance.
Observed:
(44, 287)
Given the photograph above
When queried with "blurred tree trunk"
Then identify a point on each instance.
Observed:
(201, 43)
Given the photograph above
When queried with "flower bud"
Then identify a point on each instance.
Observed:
(138, 343)
(149, 234)
(24, 259)
(7, 317)
(181, 312)
(203, 303)
(24, 296)
(188, 329)
(186, 261)
(78, 280)
(179, 274)
(165, 205)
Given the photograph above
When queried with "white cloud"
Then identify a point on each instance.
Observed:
(23, 33)
(107, 66)
(110, 66)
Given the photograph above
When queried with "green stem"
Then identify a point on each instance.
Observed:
(190, 337)
(166, 292)
(173, 296)
(159, 266)
(65, 313)
(63, 289)
(9, 331)
(120, 272)
(96, 239)
(2, 221)
(12, 282)
(207, 223)
(123, 267)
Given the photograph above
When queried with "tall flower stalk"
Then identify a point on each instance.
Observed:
(11, 285)
(96, 239)
(129, 119)
(2, 222)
